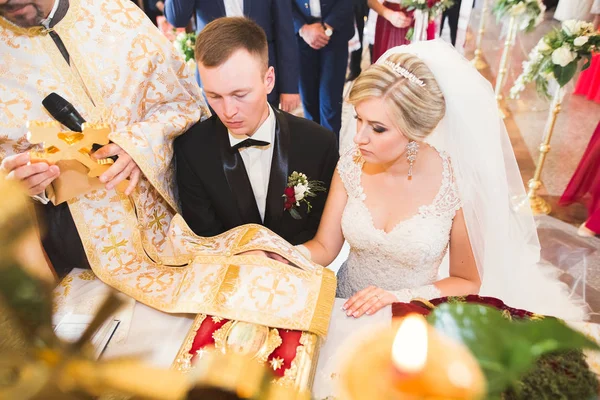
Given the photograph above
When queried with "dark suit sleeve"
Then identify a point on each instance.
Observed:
(153, 7)
(339, 15)
(327, 169)
(179, 12)
(299, 18)
(196, 206)
(287, 48)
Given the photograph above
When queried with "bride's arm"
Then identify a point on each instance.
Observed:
(464, 278)
(329, 239)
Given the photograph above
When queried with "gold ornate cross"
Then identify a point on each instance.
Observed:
(59, 145)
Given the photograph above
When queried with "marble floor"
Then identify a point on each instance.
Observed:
(577, 258)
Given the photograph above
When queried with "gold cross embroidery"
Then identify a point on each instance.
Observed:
(115, 246)
(155, 280)
(157, 219)
(274, 290)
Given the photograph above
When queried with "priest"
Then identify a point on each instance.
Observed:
(108, 60)
(114, 66)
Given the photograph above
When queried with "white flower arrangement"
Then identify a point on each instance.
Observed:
(529, 13)
(557, 56)
(185, 44)
(299, 189)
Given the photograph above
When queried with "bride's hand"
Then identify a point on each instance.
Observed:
(368, 301)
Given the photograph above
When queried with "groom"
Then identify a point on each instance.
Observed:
(233, 168)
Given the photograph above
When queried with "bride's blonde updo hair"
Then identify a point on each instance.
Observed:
(415, 105)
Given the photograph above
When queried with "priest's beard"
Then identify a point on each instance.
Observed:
(10, 10)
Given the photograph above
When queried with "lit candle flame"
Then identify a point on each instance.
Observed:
(409, 350)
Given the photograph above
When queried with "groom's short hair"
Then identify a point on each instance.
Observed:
(224, 36)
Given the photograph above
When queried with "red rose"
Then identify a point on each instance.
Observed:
(431, 3)
(289, 192)
(288, 205)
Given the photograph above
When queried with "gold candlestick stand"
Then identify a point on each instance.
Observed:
(478, 60)
(503, 69)
(538, 205)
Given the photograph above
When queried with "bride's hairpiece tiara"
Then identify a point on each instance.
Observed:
(400, 70)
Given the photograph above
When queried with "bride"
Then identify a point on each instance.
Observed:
(431, 171)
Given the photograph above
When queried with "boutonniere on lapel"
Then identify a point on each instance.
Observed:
(299, 189)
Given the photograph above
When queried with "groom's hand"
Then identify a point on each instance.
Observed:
(368, 301)
(268, 254)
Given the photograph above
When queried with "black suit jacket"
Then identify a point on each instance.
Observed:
(215, 191)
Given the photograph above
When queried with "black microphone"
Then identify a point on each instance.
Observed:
(65, 113)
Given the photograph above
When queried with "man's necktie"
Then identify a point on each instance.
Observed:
(250, 143)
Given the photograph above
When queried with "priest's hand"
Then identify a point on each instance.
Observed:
(125, 167)
(368, 301)
(35, 176)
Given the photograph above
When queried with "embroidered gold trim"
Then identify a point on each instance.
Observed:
(183, 360)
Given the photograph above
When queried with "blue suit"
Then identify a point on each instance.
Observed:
(274, 16)
(323, 72)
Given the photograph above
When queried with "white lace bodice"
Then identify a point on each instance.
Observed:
(407, 257)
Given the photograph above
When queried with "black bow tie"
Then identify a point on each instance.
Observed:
(250, 143)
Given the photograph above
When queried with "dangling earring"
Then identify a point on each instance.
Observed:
(412, 148)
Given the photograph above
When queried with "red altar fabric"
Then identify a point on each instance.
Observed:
(584, 186)
(286, 351)
(425, 307)
(388, 36)
(588, 83)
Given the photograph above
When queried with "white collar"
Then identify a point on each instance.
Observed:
(265, 132)
(46, 22)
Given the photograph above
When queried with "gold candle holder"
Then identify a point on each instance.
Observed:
(503, 69)
(538, 205)
(411, 361)
(478, 60)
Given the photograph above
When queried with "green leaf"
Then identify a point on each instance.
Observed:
(565, 74)
(295, 214)
(588, 62)
(505, 350)
(28, 299)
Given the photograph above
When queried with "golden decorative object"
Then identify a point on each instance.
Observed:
(256, 342)
(538, 205)
(64, 146)
(240, 375)
(503, 68)
(478, 60)
(411, 360)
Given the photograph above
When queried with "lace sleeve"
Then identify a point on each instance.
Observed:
(350, 167)
(448, 200)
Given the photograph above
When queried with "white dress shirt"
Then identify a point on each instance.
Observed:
(315, 8)
(257, 160)
(234, 8)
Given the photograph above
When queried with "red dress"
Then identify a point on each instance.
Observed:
(589, 81)
(388, 36)
(585, 183)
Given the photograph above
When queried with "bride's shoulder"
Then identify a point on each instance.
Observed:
(349, 168)
(350, 158)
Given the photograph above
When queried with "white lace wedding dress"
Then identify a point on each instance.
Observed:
(404, 261)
